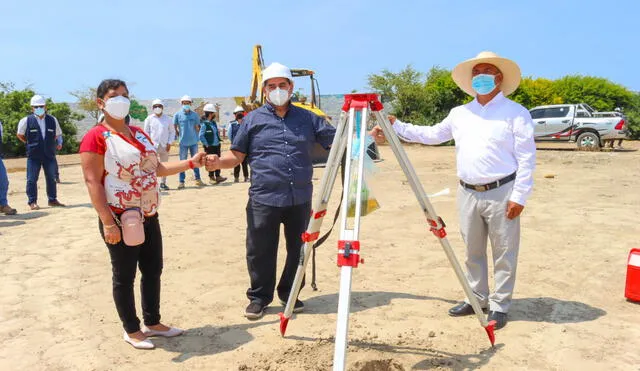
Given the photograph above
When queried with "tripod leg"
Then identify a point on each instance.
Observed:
(436, 223)
(318, 213)
(349, 244)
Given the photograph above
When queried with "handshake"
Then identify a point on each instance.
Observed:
(210, 162)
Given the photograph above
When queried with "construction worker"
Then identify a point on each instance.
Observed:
(210, 139)
(39, 132)
(277, 138)
(232, 129)
(496, 155)
(187, 125)
(4, 184)
(162, 133)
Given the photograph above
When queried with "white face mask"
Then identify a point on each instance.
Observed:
(279, 97)
(157, 110)
(117, 107)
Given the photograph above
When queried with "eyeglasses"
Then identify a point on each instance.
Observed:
(157, 106)
(37, 106)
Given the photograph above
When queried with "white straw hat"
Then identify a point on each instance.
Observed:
(511, 75)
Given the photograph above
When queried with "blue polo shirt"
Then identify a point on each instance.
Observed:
(187, 122)
(279, 153)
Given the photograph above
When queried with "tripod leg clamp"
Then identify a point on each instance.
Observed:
(349, 254)
(437, 227)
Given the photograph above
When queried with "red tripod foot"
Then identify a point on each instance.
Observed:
(489, 329)
(284, 321)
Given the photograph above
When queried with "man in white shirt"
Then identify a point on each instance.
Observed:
(162, 133)
(495, 155)
(39, 132)
(4, 184)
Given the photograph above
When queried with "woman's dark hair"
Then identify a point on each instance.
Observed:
(109, 84)
(205, 115)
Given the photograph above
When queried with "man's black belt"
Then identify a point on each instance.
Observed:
(489, 186)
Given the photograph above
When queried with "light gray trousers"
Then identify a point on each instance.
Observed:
(482, 215)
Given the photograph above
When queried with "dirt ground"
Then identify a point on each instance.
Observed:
(569, 311)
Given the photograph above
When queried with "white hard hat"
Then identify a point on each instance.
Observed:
(37, 100)
(209, 107)
(186, 98)
(276, 70)
(238, 109)
(157, 102)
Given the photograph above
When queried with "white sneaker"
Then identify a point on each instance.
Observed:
(144, 344)
(171, 332)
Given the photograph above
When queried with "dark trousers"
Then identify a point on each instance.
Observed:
(245, 169)
(57, 172)
(124, 261)
(49, 166)
(213, 150)
(263, 233)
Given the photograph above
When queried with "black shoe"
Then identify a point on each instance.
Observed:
(499, 317)
(462, 309)
(254, 311)
(164, 187)
(297, 308)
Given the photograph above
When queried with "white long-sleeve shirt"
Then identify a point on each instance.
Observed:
(492, 142)
(160, 129)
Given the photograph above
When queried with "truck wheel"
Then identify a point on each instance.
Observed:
(588, 140)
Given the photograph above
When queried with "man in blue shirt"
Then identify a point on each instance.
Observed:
(4, 184)
(187, 124)
(277, 138)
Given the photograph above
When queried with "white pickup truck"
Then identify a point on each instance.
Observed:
(576, 123)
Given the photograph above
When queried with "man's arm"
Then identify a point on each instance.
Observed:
(525, 153)
(22, 129)
(175, 125)
(58, 128)
(323, 131)
(228, 160)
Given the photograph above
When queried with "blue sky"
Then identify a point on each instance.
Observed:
(203, 48)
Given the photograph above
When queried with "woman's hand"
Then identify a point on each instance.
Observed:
(112, 234)
(199, 159)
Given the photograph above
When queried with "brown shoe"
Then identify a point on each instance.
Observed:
(220, 179)
(56, 203)
(34, 206)
(8, 210)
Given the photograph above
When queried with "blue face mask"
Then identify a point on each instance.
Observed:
(186, 107)
(483, 84)
(39, 111)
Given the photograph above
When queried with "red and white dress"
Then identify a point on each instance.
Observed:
(129, 168)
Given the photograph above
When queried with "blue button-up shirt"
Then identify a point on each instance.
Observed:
(187, 122)
(279, 153)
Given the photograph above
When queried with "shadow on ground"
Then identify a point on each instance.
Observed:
(552, 310)
(208, 340)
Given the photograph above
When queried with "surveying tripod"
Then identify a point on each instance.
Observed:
(352, 131)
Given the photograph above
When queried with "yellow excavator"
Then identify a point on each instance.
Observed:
(257, 99)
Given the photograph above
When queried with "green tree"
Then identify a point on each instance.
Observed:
(536, 92)
(138, 111)
(87, 102)
(15, 104)
(442, 94)
(404, 91)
